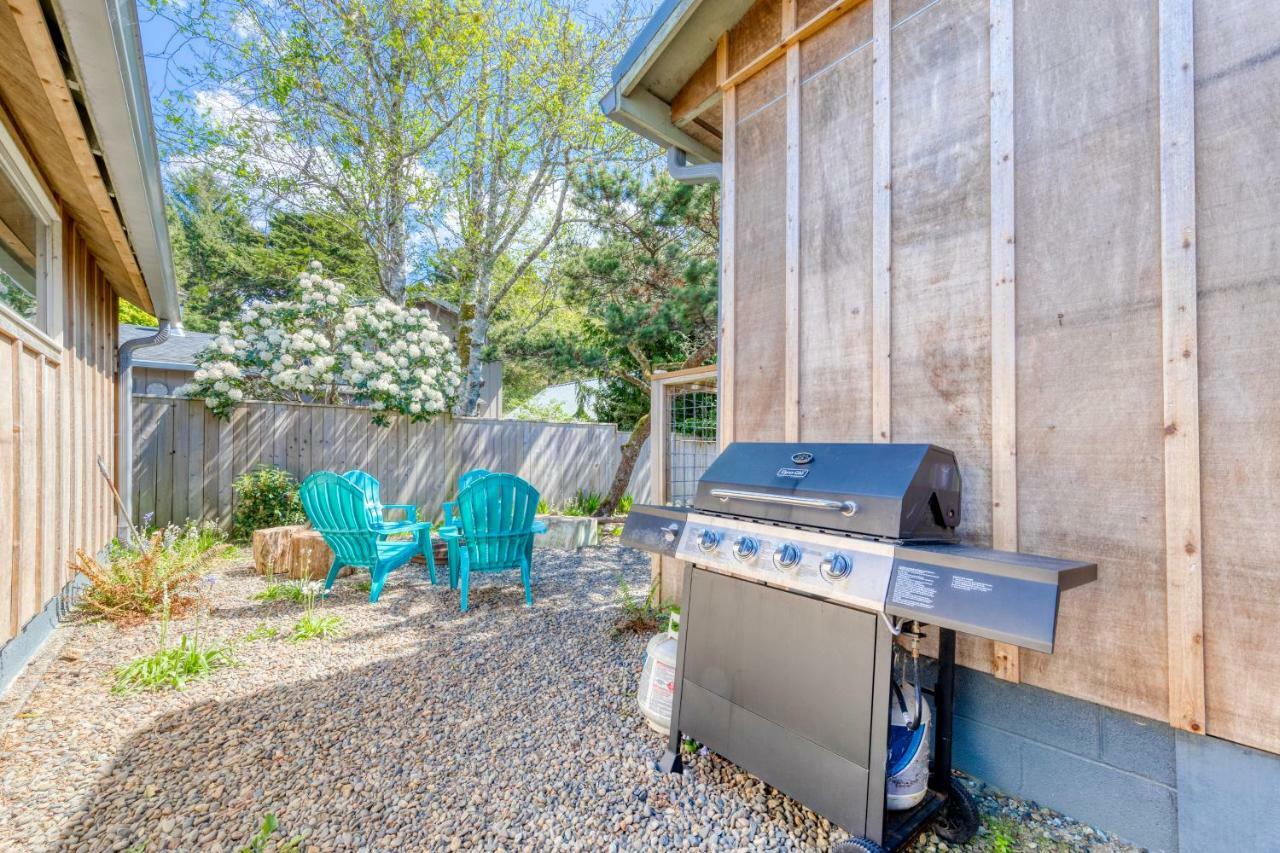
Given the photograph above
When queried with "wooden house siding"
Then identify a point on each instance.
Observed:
(57, 416)
(1045, 238)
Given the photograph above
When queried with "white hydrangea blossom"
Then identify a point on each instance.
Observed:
(323, 348)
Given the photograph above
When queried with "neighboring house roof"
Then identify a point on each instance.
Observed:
(565, 395)
(674, 44)
(177, 353)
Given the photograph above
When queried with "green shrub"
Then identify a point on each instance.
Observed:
(137, 579)
(583, 503)
(265, 497)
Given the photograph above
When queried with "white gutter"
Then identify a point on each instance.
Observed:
(679, 168)
(106, 52)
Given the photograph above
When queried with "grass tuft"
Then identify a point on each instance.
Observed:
(173, 667)
(316, 626)
(288, 591)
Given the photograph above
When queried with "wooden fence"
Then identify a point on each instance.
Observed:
(185, 460)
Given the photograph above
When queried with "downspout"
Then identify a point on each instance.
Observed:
(124, 417)
(678, 166)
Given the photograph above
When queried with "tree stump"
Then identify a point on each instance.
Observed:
(295, 551)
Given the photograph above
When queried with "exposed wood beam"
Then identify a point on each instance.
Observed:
(1006, 662)
(1184, 582)
(809, 29)
(728, 205)
(699, 94)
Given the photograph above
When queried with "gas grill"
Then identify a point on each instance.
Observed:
(804, 563)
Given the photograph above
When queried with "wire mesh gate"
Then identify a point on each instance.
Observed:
(684, 406)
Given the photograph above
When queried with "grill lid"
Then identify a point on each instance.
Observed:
(889, 491)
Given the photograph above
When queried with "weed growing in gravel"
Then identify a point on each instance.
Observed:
(172, 667)
(642, 617)
(287, 591)
(166, 565)
(262, 632)
(314, 625)
(364, 586)
(260, 840)
(1002, 832)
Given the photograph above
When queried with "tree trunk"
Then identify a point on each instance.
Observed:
(473, 380)
(394, 281)
(622, 477)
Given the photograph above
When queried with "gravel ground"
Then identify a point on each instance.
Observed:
(420, 728)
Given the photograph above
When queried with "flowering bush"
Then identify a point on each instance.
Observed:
(323, 347)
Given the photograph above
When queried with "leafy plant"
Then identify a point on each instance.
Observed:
(172, 667)
(160, 571)
(625, 504)
(267, 496)
(314, 625)
(584, 503)
(258, 843)
(1002, 836)
(286, 591)
(262, 632)
(364, 586)
(642, 616)
(544, 508)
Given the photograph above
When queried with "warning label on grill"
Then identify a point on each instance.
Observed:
(915, 586)
(967, 584)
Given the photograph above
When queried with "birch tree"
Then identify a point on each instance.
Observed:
(532, 121)
(332, 106)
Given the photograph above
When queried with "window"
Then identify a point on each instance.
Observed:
(30, 246)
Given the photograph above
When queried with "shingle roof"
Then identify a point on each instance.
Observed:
(177, 353)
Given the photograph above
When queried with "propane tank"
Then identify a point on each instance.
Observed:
(908, 765)
(907, 771)
(658, 677)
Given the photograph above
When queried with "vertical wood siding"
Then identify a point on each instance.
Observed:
(1068, 366)
(185, 459)
(57, 415)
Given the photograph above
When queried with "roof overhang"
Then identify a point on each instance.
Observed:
(106, 50)
(674, 43)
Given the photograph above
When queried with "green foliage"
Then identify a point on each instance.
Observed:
(642, 616)
(262, 839)
(624, 505)
(287, 591)
(263, 631)
(142, 578)
(133, 315)
(17, 297)
(172, 668)
(552, 411)
(1003, 835)
(584, 503)
(544, 508)
(314, 625)
(265, 497)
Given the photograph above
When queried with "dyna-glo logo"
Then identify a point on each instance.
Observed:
(802, 457)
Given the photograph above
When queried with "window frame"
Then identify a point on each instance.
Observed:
(47, 329)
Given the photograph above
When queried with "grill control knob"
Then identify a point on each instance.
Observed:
(835, 567)
(708, 540)
(745, 548)
(786, 557)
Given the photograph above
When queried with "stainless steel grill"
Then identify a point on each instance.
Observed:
(804, 561)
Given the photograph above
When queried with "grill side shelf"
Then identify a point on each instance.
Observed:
(1011, 598)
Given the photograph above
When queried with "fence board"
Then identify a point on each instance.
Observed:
(185, 459)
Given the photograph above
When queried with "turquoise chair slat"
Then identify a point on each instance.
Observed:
(465, 479)
(339, 510)
(372, 489)
(496, 512)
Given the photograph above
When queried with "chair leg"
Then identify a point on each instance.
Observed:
(379, 574)
(453, 563)
(333, 575)
(525, 576)
(428, 553)
(464, 581)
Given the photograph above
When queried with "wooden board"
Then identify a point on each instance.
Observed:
(760, 185)
(835, 250)
(1237, 199)
(757, 31)
(1090, 474)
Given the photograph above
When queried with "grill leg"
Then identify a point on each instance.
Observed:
(944, 705)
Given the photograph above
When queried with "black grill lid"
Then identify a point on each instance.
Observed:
(901, 491)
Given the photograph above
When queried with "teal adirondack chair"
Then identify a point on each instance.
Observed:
(451, 521)
(497, 524)
(339, 511)
(372, 489)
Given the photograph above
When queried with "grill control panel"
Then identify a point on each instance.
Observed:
(848, 571)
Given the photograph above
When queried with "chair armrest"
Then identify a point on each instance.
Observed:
(410, 511)
(539, 527)
(447, 533)
(390, 527)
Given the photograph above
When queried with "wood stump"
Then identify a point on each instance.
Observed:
(295, 551)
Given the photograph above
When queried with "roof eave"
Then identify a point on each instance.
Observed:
(103, 39)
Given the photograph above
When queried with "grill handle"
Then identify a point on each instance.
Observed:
(846, 508)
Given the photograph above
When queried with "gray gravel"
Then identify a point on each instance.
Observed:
(509, 728)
